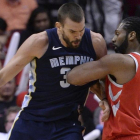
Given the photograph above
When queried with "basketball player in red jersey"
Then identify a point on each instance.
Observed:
(122, 82)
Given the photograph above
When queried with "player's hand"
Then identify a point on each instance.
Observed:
(106, 110)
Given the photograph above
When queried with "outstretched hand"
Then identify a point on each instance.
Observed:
(106, 110)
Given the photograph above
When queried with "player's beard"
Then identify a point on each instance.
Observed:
(69, 43)
(123, 47)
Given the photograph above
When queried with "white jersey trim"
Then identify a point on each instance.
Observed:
(114, 83)
(136, 53)
(135, 60)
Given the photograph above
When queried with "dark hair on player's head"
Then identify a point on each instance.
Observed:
(72, 11)
(132, 24)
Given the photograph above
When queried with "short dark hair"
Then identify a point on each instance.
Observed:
(3, 24)
(72, 11)
(132, 24)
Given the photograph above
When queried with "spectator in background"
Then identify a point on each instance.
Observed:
(113, 15)
(9, 119)
(95, 17)
(131, 8)
(16, 12)
(38, 22)
(10, 116)
(7, 99)
(3, 39)
(103, 17)
(52, 6)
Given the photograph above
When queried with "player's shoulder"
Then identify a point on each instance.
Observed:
(99, 44)
(96, 36)
(116, 56)
(38, 42)
(39, 37)
(117, 59)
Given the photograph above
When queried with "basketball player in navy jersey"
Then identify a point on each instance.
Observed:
(49, 110)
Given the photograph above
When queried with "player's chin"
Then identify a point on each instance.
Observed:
(75, 46)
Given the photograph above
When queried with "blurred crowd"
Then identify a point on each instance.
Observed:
(21, 18)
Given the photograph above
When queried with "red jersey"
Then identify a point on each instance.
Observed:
(124, 100)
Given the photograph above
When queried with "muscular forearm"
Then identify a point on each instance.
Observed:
(80, 75)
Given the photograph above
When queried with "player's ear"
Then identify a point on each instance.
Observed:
(132, 35)
(58, 25)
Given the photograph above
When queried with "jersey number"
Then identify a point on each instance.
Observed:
(64, 83)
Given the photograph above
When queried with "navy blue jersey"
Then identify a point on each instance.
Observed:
(50, 96)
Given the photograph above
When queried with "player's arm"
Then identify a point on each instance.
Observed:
(100, 48)
(33, 47)
(122, 67)
(99, 45)
(99, 90)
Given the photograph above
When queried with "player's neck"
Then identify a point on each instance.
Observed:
(63, 42)
(134, 47)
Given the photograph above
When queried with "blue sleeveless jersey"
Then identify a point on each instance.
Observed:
(50, 97)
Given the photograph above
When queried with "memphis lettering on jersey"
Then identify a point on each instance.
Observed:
(69, 60)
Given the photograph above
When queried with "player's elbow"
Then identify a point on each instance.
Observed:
(71, 78)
